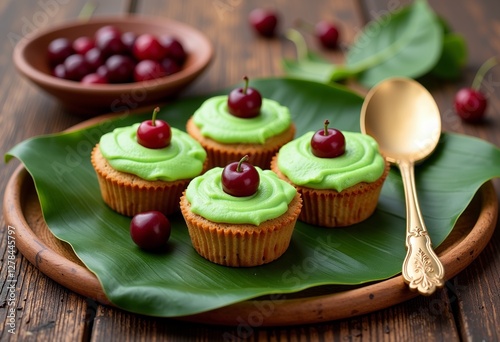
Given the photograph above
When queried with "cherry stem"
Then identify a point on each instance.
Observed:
(244, 159)
(300, 44)
(87, 11)
(326, 127)
(478, 79)
(246, 85)
(153, 119)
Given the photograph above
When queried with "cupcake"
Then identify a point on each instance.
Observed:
(339, 175)
(240, 231)
(241, 123)
(140, 171)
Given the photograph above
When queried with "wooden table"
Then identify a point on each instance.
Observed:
(468, 308)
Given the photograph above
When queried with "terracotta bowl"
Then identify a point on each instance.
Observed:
(31, 61)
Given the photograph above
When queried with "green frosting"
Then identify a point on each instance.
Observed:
(215, 122)
(182, 159)
(208, 200)
(361, 162)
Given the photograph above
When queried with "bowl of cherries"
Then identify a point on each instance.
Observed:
(113, 64)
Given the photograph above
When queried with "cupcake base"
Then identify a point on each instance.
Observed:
(129, 195)
(220, 154)
(241, 245)
(329, 208)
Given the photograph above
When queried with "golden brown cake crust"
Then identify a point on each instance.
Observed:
(220, 154)
(241, 245)
(129, 194)
(329, 208)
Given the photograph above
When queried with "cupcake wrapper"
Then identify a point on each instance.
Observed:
(338, 209)
(329, 208)
(220, 154)
(129, 195)
(241, 245)
(130, 200)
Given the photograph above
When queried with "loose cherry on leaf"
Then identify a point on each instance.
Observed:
(263, 21)
(244, 102)
(328, 142)
(240, 179)
(327, 34)
(470, 103)
(154, 133)
(150, 230)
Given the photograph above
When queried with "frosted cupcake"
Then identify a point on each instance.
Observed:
(340, 185)
(134, 178)
(240, 231)
(243, 123)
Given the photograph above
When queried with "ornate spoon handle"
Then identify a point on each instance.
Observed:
(422, 269)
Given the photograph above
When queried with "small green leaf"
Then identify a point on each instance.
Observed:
(453, 57)
(407, 43)
(311, 68)
(180, 282)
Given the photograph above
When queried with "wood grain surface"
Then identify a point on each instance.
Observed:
(467, 309)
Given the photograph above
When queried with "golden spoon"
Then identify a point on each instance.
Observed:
(404, 119)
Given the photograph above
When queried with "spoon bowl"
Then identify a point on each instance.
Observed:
(402, 116)
(404, 119)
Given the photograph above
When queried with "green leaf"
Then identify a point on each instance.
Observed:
(312, 68)
(407, 43)
(453, 57)
(180, 282)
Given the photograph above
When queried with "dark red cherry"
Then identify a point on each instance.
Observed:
(173, 49)
(327, 34)
(147, 46)
(128, 39)
(244, 102)
(154, 133)
(76, 67)
(120, 69)
(108, 40)
(83, 44)
(58, 50)
(328, 142)
(150, 230)
(107, 29)
(148, 70)
(240, 179)
(170, 66)
(59, 71)
(94, 58)
(94, 78)
(470, 104)
(264, 21)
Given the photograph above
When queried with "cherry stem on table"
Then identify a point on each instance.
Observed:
(478, 79)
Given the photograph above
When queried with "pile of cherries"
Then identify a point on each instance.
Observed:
(113, 56)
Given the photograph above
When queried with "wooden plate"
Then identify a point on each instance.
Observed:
(56, 259)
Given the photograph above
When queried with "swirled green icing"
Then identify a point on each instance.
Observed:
(208, 200)
(215, 122)
(361, 162)
(182, 159)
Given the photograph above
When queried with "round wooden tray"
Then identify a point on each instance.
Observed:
(56, 259)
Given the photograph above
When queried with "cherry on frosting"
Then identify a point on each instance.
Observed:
(154, 133)
(240, 179)
(328, 142)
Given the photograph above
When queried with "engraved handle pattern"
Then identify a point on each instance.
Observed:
(422, 269)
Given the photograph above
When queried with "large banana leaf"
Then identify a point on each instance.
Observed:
(178, 281)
